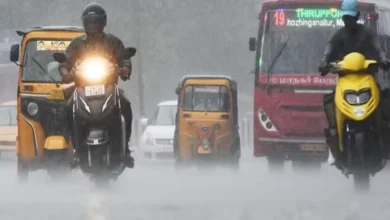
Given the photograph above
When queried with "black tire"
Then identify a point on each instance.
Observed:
(235, 162)
(361, 182)
(57, 164)
(101, 182)
(178, 165)
(275, 164)
(22, 171)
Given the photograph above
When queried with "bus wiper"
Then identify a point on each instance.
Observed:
(269, 71)
(43, 69)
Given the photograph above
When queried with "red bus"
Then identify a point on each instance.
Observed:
(288, 112)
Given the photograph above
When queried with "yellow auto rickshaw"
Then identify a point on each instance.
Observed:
(206, 129)
(43, 140)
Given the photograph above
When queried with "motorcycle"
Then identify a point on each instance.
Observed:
(99, 126)
(357, 111)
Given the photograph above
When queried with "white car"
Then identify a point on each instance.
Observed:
(157, 138)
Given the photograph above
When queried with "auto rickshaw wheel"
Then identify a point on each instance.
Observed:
(178, 164)
(22, 171)
(235, 161)
(275, 164)
(57, 163)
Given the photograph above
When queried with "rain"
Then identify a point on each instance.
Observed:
(175, 38)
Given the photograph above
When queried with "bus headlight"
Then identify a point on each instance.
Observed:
(265, 121)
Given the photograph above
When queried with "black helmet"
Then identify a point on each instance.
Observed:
(94, 18)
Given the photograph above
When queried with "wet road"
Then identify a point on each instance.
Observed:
(154, 191)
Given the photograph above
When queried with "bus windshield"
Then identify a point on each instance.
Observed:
(294, 40)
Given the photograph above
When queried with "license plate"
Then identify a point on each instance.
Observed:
(56, 95)
(201, 150)
(313, 147)
(94, 90)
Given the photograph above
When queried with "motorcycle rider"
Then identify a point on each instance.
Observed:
(353, 37)
(94, 20)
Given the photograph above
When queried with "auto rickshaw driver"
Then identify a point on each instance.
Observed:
(207, 104)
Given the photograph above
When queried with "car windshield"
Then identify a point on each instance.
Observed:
(40, 65)
(294, 40)
(7, 115)
(206, 98)
(165, 115)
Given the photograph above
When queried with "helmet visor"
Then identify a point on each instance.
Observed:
(93, 23)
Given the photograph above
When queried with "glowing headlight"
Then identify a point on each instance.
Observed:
(360, 98)
(94, 69)
(32, 108)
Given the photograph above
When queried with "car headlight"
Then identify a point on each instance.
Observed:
(357, 98)
(32, 108)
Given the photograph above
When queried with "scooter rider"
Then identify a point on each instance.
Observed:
(94, 20)
(353, 37)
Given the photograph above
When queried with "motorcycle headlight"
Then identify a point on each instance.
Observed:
(358, 98)
(32, 108)
(94, 69)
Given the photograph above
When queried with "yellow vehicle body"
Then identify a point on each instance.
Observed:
(34, 135)
(355, 81)
(218, 128)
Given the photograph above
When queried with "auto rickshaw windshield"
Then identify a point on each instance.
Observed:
(206, 98)
(39, 63)
(7, 115)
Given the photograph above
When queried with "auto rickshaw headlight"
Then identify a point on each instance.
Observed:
(205, 144)
(32, 108)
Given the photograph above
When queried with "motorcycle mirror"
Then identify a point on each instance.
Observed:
(129, 52)
(60, 57)
(373, 68)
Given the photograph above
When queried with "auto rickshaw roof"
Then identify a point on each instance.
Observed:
(233, 83)
(51, 28)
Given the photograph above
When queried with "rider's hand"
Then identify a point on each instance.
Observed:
(384, 62)
(126, 72)
(323, 68)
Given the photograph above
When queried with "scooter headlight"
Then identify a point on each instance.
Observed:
(357, 98)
